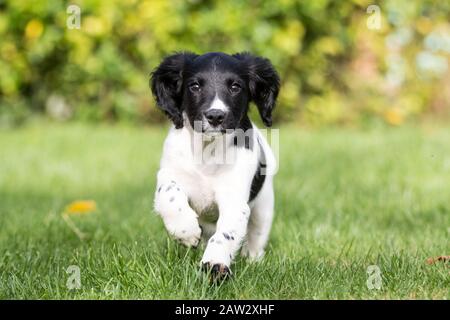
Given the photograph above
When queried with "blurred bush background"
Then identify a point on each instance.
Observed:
(336, 67)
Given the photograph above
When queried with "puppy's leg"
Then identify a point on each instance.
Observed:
(226, 241)
(171, 203)
(259, 224)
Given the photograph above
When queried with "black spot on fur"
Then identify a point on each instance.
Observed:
(258, 178)
(171, 199)
(159, 189)
(168, 188)
(226, 235)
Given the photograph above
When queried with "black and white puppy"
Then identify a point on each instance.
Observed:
(229, 203)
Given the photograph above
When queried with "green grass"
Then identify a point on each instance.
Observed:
(345, 199)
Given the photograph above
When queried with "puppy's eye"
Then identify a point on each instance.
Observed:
(235, 88)
(195, 87)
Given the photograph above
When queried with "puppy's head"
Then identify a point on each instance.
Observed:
(215, 89)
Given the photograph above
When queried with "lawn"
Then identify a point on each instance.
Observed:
(345, 199)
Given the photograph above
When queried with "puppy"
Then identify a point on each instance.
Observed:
(216, 174)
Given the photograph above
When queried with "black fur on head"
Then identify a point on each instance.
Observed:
(263, 83)
(215, 89)
(166, 83)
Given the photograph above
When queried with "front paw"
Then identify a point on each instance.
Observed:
(218, 271)
(184, 229)
(217, 259)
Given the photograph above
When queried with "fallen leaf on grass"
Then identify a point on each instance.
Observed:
(443, 259)
(81, 207)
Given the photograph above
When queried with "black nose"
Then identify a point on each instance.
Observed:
(215, 116)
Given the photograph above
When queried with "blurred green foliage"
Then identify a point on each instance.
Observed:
(335, 67)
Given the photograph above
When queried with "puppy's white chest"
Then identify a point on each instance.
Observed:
(201, 195)
(198, 180)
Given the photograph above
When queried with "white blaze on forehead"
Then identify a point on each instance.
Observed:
(218, 104)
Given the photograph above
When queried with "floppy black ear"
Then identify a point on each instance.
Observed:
(264, 84)
(167, 83)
